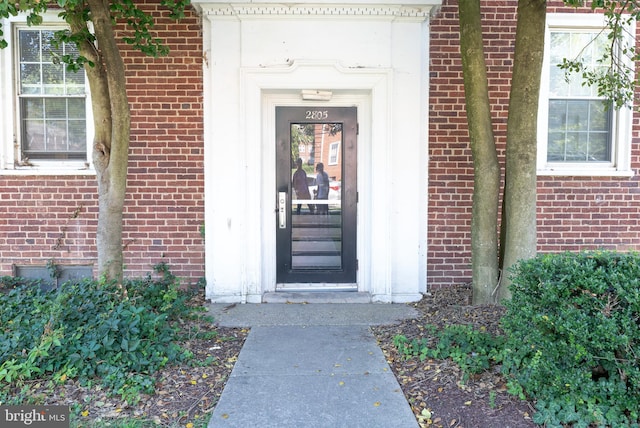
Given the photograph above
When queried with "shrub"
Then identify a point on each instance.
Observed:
(574, 338)
(87, 330)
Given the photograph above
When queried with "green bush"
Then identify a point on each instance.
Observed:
(573, 328)
(88, 330)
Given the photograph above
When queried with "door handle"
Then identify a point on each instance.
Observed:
(282, 209)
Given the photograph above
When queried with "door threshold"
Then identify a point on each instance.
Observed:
(309, 297)
(316, 287)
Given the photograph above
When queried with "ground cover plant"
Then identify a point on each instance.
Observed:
(568, 342)
(105, 349)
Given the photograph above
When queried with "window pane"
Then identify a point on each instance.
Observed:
(53, 126)
(75, 82)
(55, 108)
(555, 147)
(29, 46)
(579, 45)
(599, 147)
(50, 53)
(579, 131)
(32, 113)
(558, 85)
(76, 108)
(78, 136)
(53, 76)
(577, 116)
(600, 117)
(30, 82)
(576, 147)
(56, 131)
(34, 133)
(557, 115)
(559, 46)
(587, 46)
(32, 108)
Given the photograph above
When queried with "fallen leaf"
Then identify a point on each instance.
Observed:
(377, 404)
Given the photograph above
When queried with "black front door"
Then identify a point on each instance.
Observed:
(316, 196)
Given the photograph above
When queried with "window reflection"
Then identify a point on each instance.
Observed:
(316, 196)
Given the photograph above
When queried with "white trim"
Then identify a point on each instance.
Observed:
(255, 62)
(351, 87)
(9, 126)
(365, 8)
(620, 165)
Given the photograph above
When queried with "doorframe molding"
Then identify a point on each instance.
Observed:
(367, 90)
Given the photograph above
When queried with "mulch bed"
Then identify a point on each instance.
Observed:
(435, 388)
(186, 394)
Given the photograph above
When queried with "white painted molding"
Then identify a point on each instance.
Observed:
(299, 10)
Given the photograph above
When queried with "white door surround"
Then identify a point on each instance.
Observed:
(370, 55)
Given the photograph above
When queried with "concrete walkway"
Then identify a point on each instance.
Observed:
(311, 365)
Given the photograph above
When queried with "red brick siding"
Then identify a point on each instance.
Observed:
(574, 213)
(47, 218)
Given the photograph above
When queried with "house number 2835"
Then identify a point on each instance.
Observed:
(316, 114)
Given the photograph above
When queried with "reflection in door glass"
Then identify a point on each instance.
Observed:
(316, 200)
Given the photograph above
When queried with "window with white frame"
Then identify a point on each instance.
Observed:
(50, 108)
(334, 152)
(579, 133)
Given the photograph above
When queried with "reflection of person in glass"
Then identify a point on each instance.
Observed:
(299, 182)
(322, 192)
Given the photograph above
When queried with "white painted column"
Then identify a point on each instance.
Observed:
(224, 169)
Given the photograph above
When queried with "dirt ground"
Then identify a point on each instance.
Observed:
(434, 388)
(186, 394)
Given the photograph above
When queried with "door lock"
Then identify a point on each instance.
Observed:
(282, 209)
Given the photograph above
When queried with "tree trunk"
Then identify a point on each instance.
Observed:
(486, 181)
(519, 215)
(111, 145)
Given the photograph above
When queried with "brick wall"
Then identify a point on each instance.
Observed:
(53, 218)
(574, 213)
(45, 218)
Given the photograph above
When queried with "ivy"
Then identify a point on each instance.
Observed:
(88, 331)
(472, 350)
